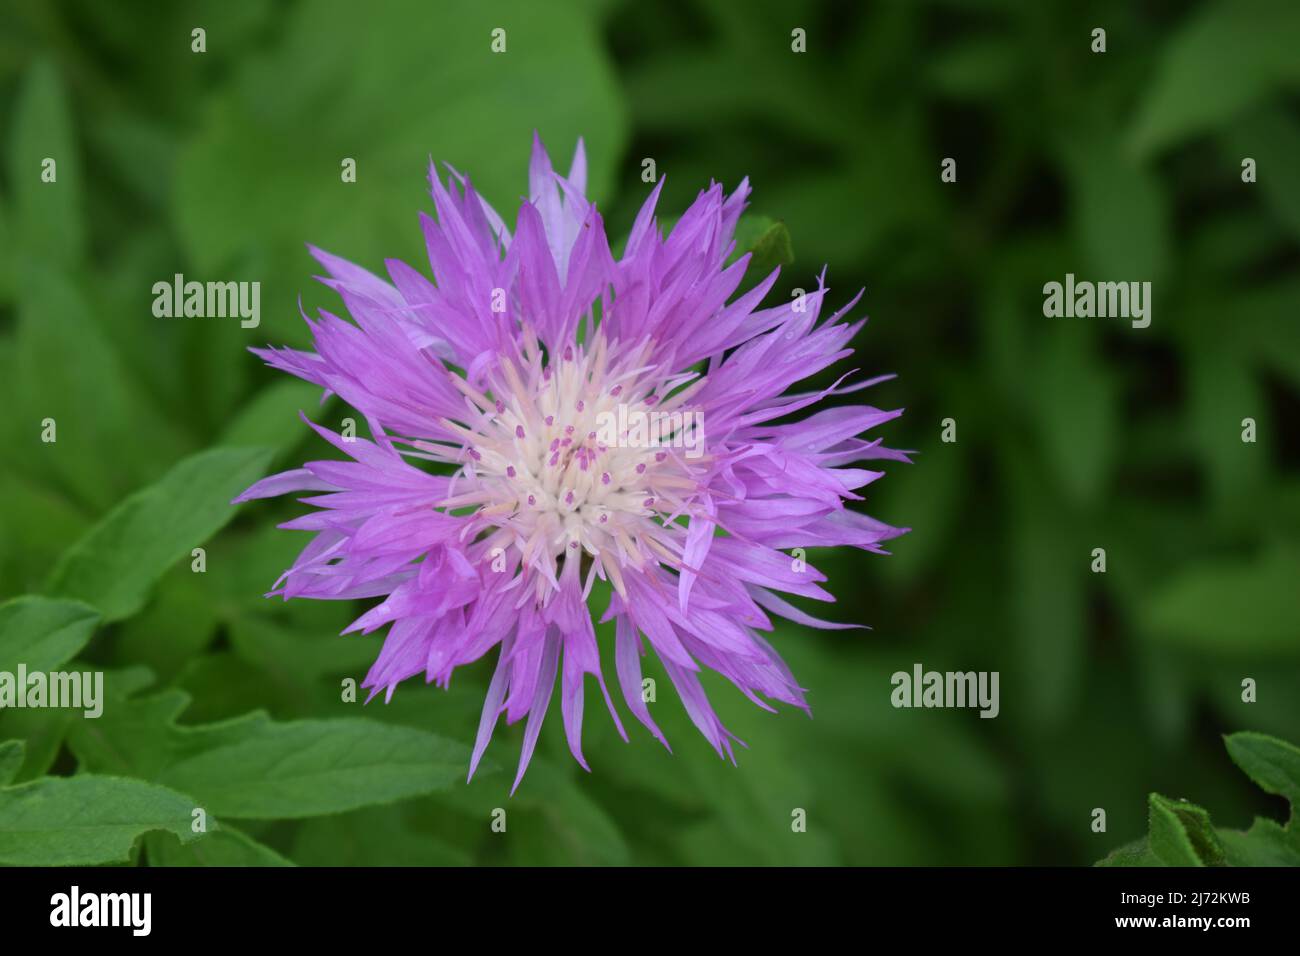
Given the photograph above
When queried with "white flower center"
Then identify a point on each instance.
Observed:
(549, 459)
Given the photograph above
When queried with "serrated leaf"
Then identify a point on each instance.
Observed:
(85, 820)
(42, 632)
(1264, 844)
(311, 767)
(138, 736)
(117, 562)
(1181, 833)
(1273, 764)
(251, 767)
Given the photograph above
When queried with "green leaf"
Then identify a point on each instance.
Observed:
(270, 419)
(767, 242)
(1264, 844)
(223, 846)
(42, 733)
(310, 767)
(1273, 764)
(251, 767)
(85, 820)
(139, 737)
(1233, 607)
(12, 753)
(242, 568)
(1181, 834)
(1227, 56)
(1137, 853)
(175, 627)
(48, 216)
(42, 632)
(117, 562)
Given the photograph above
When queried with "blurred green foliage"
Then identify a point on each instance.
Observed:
(1072, 434)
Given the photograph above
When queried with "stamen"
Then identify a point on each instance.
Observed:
(558, 507)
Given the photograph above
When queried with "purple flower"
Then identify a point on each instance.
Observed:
(567, 395)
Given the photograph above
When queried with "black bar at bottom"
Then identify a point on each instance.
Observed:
(337, 906)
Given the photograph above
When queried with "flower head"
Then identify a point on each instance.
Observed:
(538, 416)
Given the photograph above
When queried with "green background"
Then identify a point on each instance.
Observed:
(1072, 434)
